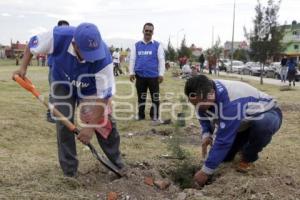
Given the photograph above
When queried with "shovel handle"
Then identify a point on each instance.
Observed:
(27, 85)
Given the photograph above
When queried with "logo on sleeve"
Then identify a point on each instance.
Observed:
(33, 42)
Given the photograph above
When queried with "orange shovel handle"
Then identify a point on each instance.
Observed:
(27, 84)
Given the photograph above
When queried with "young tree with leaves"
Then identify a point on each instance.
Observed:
(184, 49)
(170, 52)
(265, 41)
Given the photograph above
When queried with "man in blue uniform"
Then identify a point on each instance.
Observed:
(147, 67)
(243, 119)
(81, 73)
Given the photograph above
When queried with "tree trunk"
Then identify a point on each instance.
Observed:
(261, 73)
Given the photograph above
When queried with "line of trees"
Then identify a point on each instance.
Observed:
(265, 38)
(173, 54)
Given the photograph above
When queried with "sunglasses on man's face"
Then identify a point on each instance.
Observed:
(148, 31)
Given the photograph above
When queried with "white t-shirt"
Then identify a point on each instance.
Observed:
(116, 57)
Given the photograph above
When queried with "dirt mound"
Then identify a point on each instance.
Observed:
(131, 187)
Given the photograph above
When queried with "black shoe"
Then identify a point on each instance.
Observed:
(294, 84)
(138, 118)
(49, 117)
(71, 175)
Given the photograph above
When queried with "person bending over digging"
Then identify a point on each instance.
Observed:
(245, 119)
(81, 74)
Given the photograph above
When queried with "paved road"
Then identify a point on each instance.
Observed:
(257, 78)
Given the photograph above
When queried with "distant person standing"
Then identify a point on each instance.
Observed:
(292, 70)
(214, 64)
(17, 59)
(201, 61)
(210, 63)
(283, 69)
(43, 58)
(49, 62)
(147, 67)
(116, 62)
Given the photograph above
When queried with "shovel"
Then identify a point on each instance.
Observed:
(27, 84)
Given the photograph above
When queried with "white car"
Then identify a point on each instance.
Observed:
(237, 66)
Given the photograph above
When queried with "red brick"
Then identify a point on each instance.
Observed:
(149, 181)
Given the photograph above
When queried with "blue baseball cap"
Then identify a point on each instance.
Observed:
(88, 39)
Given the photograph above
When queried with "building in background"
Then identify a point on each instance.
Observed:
(236, 46)
(291, 39)
(196, 51)
(15, 50)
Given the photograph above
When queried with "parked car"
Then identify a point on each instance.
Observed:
(274, 70)
(237, 67)
(222, 64)
(254, 69)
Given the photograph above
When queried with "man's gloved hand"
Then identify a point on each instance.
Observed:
(200, 178)
(205, 143)
(85, 135)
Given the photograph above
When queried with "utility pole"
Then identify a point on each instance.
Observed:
(213, 36)
(233, 27)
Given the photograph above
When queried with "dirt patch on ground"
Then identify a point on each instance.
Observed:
(225, 184)
(290, 107)
(190, 135)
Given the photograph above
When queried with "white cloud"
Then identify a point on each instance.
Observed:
(5, 14)
(37, 30)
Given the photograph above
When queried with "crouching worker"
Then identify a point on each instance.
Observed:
(82, 74)
(245, 120)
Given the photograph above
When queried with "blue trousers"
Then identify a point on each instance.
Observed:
(252, 141)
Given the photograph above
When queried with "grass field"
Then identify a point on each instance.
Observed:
(29, 167)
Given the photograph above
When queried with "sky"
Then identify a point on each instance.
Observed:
(196, 19)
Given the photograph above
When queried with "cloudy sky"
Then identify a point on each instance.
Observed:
(20, 19)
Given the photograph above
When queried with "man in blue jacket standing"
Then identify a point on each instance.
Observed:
(243, 119)
(147, 67)
(81, 74)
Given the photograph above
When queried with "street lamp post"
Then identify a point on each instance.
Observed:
(233, 27)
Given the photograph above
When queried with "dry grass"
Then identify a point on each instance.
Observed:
(28, 153)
